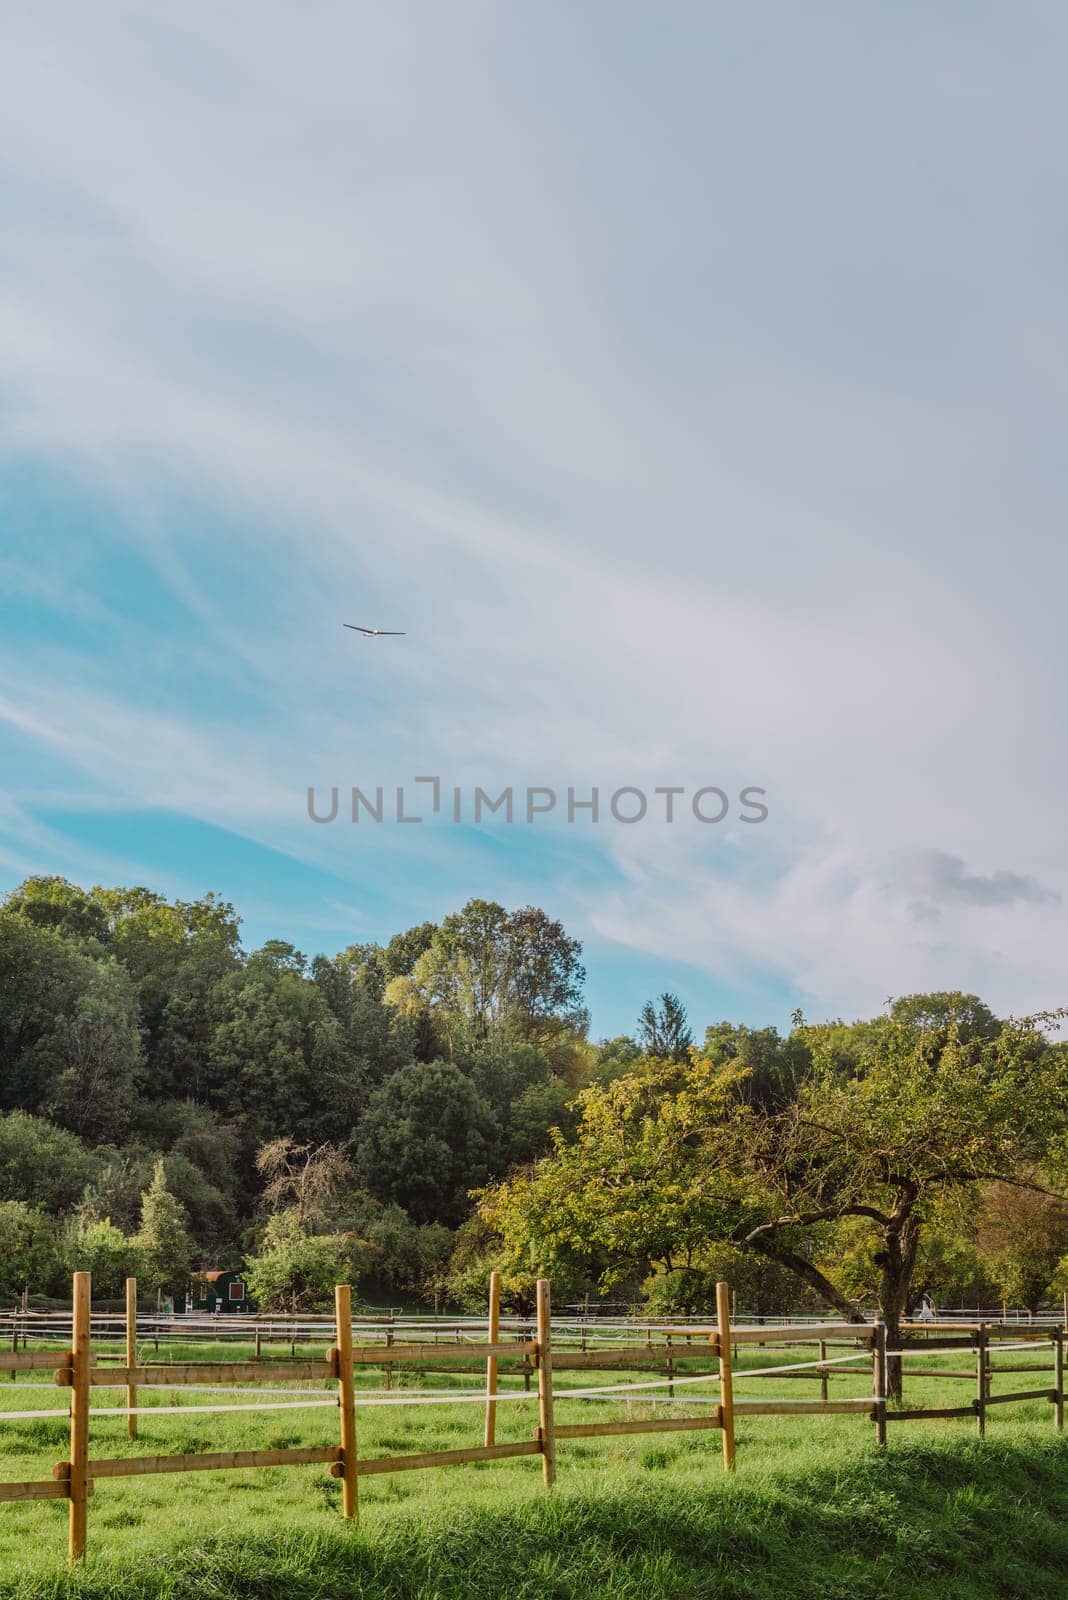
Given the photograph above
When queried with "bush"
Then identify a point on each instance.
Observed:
(106, 1252)
(29, 1250)
(297, 1271)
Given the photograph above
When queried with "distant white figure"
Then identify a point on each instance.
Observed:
(927, 1310)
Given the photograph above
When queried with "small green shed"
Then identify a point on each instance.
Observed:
(219, 1291)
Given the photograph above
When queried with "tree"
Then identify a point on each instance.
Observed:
(275, 1057)
(1022, 1234)
(297, 1271)
(106, 1252)
(923, 1115)
(488, 974)
(101, 1056)
(69, 1034)
(640, 1184)
(425, 1141)
(771, 1069)
(46, 1166)
(301, 1178)
(29, 1250)
(404, 949)
(664, 1032)
(665, 1165)
(543, 973)
(52, 902)
(163, 1237)
(762, 1288)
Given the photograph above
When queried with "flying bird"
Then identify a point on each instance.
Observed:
(375, 633)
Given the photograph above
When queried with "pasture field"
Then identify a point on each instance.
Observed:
(814, 1512)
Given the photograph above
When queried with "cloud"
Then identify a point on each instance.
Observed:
(935, 876)
(686, 446)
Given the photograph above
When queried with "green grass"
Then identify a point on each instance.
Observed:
(814, 1512)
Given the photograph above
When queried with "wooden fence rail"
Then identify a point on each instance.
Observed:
(670, 1350)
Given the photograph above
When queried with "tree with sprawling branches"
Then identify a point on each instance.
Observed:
(894, 1122)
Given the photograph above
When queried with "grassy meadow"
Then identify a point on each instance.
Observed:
(814, 1511)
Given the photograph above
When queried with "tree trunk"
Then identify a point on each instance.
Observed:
(896, 1260)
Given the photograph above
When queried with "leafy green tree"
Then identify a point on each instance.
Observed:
(640, 1184)
(762, 1288)
(100, 1061)
(663, 1167)
(1022, 1234)
(168, 947)
(276, 1058)
(489, 974)
(425, 1140)
(122, 1177)
(297, 1271)
(404, 949)
(29, 1251)
(53, 902)
(770, 1069)
(106, 1252)
(614, 1058)
(664, 1031)
(163, 1237)
(46, 1166)
(375, 1039)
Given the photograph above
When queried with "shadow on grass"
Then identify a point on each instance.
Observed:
(953, 1520)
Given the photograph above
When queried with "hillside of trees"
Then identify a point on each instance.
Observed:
(409, 1115)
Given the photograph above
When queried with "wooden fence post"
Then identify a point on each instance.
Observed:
(78, 1487)
(981, 1378)
(493, 1333)
(131, 1355)
(546, 1428)
(878, 1378)
(350, 1483)
(823, 1376)
(1058, 1380)
(726, 1381)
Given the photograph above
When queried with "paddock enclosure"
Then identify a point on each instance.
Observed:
(687, 1374)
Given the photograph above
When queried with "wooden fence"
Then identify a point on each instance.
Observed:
(81, 1371)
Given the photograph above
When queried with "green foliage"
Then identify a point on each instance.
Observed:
(163, 1237)
(403, 1258)
(663, 1030)
(106, 1252)
(1022, 1235)
(275, 1059)
(425, 1140)
(883, 1129)
(489, 974)
(637, 1184)
(70, 1044)
(46, 1166)
(771, 1070)
(296, 1271)
(29, 1250)
(761, 1287)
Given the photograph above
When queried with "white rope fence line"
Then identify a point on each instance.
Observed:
(172, 1411)
(28, 1416)
(313, 1400)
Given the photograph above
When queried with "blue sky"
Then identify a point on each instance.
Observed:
(685, 381)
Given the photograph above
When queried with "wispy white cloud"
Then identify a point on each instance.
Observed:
(705, 444)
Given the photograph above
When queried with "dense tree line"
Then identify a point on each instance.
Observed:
(409, 1115)
(142, 1050)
